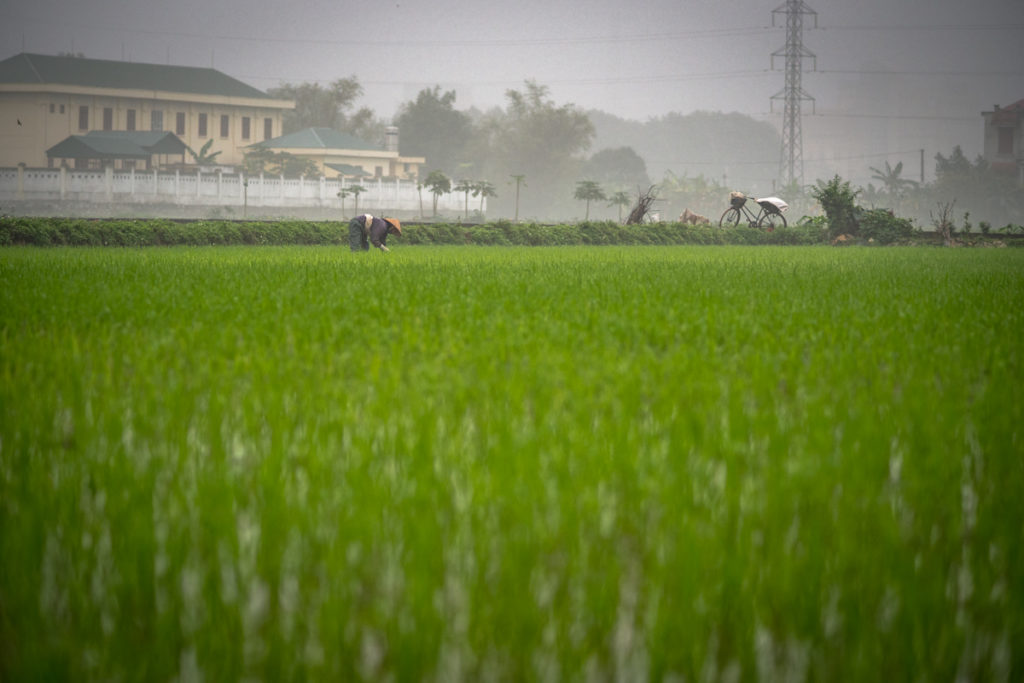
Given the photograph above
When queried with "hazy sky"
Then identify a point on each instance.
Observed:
(933, 63)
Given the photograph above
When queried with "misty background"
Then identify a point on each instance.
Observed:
(685, 86)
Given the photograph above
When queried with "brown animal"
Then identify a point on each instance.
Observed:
(692, 218)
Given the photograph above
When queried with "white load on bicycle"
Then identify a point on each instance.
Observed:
(768, 217)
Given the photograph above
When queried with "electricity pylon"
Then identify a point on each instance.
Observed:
(791, 161)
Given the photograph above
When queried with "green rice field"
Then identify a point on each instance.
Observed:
(512, 464)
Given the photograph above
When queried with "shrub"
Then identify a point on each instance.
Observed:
(836, 198)
(883, 227)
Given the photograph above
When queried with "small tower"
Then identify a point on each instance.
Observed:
(391, 139)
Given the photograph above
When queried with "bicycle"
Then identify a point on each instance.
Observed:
(768, 217)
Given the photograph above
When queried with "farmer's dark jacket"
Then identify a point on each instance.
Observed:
(378, 231)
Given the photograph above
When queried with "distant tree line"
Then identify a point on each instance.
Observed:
(530, 157)
(962, 189)
(525, 158)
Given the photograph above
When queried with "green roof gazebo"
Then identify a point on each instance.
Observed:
(110, 145)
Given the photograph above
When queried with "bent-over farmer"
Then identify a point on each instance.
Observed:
(366, 230)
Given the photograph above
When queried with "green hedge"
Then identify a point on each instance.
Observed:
(49, 232)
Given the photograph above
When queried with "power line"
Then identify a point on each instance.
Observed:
(561, 40)
(667, 78)
(855, 157)
(885, 72)
(627, 80)
(644, 78)
(905, 117)
(440, 42)
(926, 27)
(717, 162)
(821, 160)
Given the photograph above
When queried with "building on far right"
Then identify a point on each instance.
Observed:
(1004, 139)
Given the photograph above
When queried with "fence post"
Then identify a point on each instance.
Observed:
(199, 181)
(108, 182)
(63, 181)
(131, 182)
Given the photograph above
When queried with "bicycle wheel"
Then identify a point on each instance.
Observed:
(770, 221)
(729, 219)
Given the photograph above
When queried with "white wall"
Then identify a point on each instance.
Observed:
(215, 189)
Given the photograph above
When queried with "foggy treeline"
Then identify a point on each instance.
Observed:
(691, 160)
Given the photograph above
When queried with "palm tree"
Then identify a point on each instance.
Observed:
(465, 186)
(589, 190)
(203, 157)
(342, 193)
(698, 192)
(871, 194)
(484, 189)
(438, 184)
(892, 182)
(620, 199)
(419, 193)
(353, 190)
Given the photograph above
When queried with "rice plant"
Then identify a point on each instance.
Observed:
(511, 464)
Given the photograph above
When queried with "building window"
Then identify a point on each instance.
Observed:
(52, 107)
(202, 125)
(108, 118)
(62, 109)
(179, 123)
(156, 120)
(129, 119)
(378, 172)
(224, 125)
(245, 128)
(1005, 142)
(83, 118)
(128, 164)
(268, 128)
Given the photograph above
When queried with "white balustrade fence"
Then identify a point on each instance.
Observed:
(216, 189)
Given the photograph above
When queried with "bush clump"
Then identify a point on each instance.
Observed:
(882, 226)
(837, 200)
